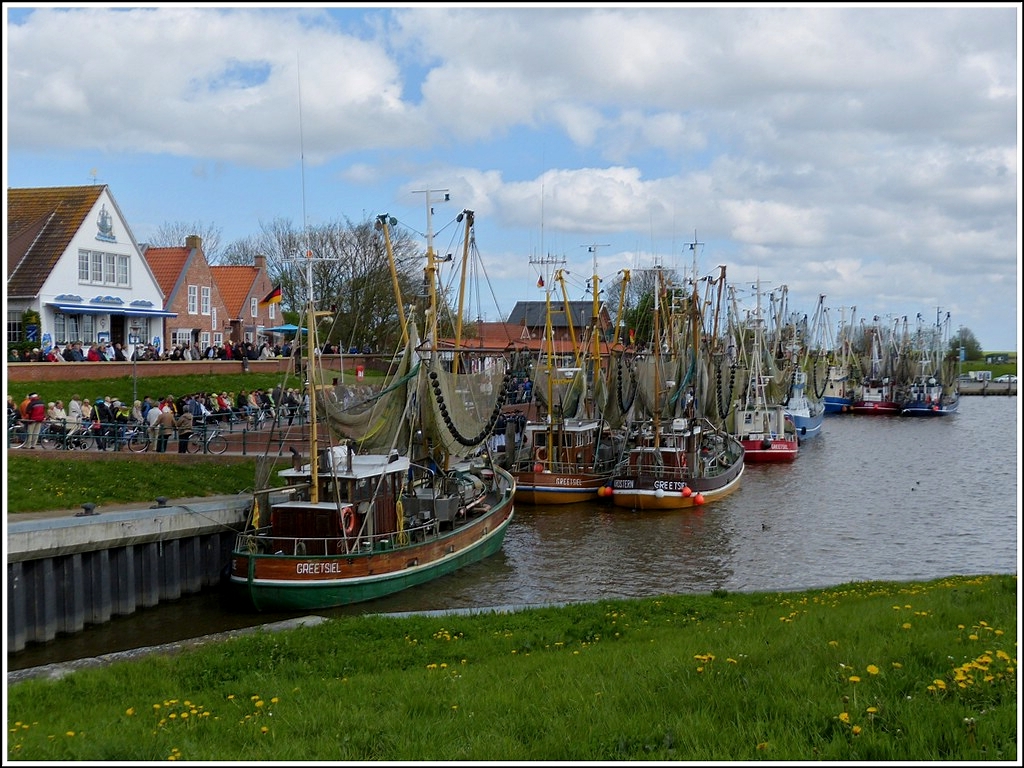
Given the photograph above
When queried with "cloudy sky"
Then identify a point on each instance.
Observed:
(869, 154)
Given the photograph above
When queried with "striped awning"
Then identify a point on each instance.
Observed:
(85, 309)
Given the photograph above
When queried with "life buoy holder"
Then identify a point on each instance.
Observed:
(300, 548)
(350, 521)
(541, 454)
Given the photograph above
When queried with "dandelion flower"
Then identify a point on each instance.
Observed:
(856, 730)
(872, 669)
(854, 679)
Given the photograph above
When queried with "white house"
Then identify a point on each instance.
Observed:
(72, 258)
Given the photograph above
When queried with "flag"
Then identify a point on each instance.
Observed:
(540, 281)
(274, 297)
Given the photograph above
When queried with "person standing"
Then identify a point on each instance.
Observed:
(35, 414)
(152, 425)
(184, 425)
(75, 411)
(165, 426)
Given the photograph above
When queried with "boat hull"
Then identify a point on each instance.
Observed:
(651, 493)
(929, 410)
(553, 488)
(838, 404)
(768, 451)
(272, 581)
(877, 408)
(807, 427)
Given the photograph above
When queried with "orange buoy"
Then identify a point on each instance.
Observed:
(538, 467)
(698, 499)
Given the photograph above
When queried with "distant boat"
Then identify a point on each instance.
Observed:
(568, 452)
(806, 413)
(840, 389)
(934, 390)
(805, 409)
(422, 501)
(758, 418)
(679, 457)
(878, 391)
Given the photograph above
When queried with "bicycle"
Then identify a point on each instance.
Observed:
(17, 433)
(137, 438)
(208, 439)
(75, 438)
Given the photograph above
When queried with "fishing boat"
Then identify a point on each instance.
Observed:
(805, 409)
(934, 390)
(758, 418)
(840, 383)
(400, 491)
(569, 452)
(879, 391)
(807, 414)
(679, 457)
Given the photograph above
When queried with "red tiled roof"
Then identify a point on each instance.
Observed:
(41, 222)
(235, 284)
(167, 266)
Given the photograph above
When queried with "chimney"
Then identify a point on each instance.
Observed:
(194, 241)
(261, 262)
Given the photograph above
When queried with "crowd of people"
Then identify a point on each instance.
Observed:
(100, 351)
(108, 419)
(104, 351)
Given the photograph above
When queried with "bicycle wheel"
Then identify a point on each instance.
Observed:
(138, 442)
(217, 444)
(16, 436)
(80, 442)
(50, 440)
(195, 443)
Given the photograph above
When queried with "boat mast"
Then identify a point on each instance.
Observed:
(314, 491)
(430, 322)
(595, 329)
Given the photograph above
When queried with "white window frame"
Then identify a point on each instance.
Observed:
(205, 294)
(193, 299)
(254, 306)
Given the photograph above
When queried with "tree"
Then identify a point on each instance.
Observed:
(966, 339)
(172, 234)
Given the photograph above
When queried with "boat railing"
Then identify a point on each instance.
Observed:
(261, 542)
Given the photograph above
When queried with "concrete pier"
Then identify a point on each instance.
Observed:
(66, 570)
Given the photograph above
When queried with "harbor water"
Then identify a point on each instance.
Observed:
(871, 498)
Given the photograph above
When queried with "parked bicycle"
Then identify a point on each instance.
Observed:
(207, 437)
(17, 433)
(137, 438)
(60, 436)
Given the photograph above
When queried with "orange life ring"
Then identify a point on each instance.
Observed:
(350, 521)
(541, 454)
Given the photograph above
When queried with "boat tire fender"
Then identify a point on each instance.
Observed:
(541, 454)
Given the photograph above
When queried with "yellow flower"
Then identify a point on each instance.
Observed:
(844, 717)
(856, 730)
(130, 711)
(854, 679)
(906, 625)
(872, 669)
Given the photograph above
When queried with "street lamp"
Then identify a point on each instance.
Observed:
(134, 339)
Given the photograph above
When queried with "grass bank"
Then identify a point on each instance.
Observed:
(862, 672)
(69, 479)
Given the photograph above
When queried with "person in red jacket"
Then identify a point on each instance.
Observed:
(35, 415)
